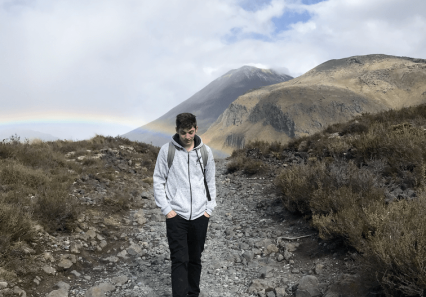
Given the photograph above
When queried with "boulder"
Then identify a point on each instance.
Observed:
(308, 287)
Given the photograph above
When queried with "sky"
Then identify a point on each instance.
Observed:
(77, 68)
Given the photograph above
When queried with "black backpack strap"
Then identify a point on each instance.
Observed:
(203, 170)
(205, 156)
(171, 154)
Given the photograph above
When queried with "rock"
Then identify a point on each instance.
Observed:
(119, 280)
(112, 259)
(94, 292)
(259, 284)
(139, 217)
(248, 255)
(75, 247)
(270, 294)
(100, 290)
(348, 285)
(49, 270)
(271, 248)
(319, 268)
(48, 257)
(3, 285)
(122, 254)
(67, 261)
(91, 234)
(308, 286)
(20, 292)
(158, 217)
(103, 244)
(280, 292)
(62, 290)
(291, 246)
(106, 287)
(280, 257)
(36, 280)
(266, 272)
(134, 250)
(287, 255)
(77, 274)
(65, 264)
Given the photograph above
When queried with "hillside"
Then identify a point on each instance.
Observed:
(26, 134)
(332, 92)
(208, 103)
(361, 182)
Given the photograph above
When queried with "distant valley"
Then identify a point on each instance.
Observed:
(25, 134)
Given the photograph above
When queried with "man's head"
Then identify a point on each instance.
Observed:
(186, 127)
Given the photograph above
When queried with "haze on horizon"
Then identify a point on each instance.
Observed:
(77, 68)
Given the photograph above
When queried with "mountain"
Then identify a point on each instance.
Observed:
(332, 92)
(208, 103)
(26, 134)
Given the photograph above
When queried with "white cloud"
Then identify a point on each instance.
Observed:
(138, 59)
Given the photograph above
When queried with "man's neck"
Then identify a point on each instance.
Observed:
(190, 146)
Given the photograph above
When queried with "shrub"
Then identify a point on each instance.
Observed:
(15, 225)
(344, 192)
(235, 164)
(252, 166)
(55, 208)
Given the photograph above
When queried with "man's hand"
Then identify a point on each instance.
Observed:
(206, 214)
(171, 214)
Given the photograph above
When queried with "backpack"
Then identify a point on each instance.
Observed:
(171, 155)
(204, 155)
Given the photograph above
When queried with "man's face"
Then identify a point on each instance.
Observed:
(186, 136)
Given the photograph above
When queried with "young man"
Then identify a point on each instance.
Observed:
(181, 194)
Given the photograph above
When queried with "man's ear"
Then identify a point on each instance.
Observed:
(196, 129)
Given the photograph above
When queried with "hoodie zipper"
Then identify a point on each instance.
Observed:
(190, 189)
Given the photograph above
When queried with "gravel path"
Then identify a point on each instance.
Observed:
(250, 250)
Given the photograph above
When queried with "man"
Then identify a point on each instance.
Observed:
(180, 192)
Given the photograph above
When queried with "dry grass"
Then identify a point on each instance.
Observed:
(346, 185)
(346, 191)
(36, 180)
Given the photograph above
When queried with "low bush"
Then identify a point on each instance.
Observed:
(346, 192)
(252, 166)
(236, 164)
(36, 179)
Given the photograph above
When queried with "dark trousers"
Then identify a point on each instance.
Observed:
(186, 242)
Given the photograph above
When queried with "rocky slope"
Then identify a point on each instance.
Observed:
(334, 91)
(208, 103)
(254, 248)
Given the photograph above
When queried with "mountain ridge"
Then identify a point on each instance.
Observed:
(208, 103)
(334, 91)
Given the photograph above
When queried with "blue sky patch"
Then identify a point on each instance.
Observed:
(310, 2)
(254, 5)
(236, 34)
(289, 17)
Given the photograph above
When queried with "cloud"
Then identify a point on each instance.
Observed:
(136, 60)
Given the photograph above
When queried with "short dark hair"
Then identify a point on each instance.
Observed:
(186, 120)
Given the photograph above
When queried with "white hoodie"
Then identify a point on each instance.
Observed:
(182, 187)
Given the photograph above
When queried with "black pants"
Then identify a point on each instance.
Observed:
(186, 242)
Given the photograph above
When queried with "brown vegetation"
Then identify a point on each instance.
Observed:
(38, 181)
(364, 182)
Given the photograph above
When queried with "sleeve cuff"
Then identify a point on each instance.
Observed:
(167, 210)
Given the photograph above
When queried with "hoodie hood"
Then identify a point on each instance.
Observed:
(198, 143)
